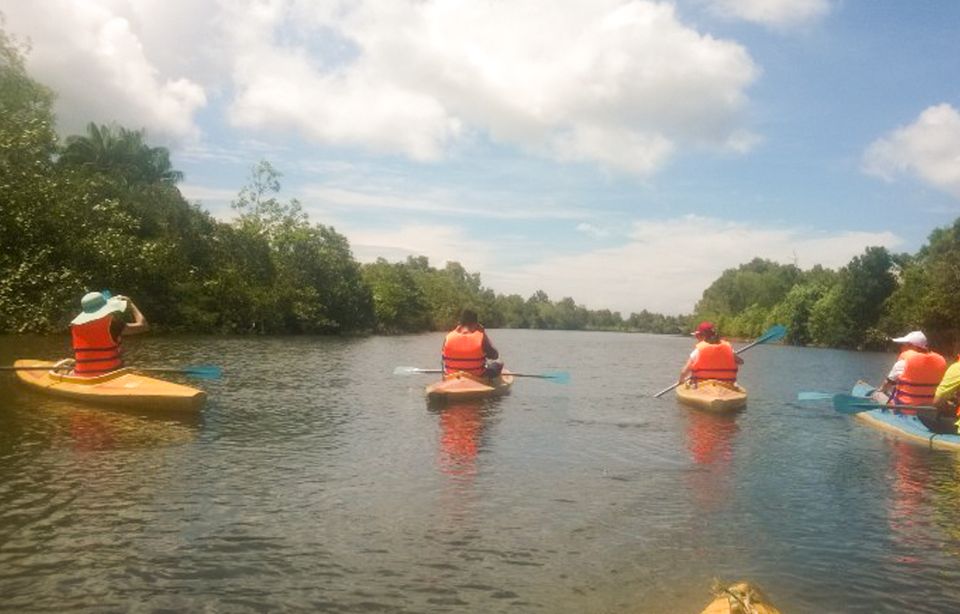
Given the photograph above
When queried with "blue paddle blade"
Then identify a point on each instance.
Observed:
(557, 377)
(814, 396)
(778, 331)
(203, 371)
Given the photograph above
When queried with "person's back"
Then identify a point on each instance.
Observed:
(467, 348)
(915, 375)
(96, 333)
(711, 359)
(921, 375)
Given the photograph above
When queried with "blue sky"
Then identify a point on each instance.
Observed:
(622, 153)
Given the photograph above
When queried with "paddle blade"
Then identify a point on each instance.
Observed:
(203, 371)
(814, 396)
(774, 333)
(414, 371)
(557, 377)
(849, 404)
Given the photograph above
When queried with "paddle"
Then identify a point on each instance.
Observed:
(557, 377)
(850, 404)
(198, 371)
(774, 333)
(814, 396)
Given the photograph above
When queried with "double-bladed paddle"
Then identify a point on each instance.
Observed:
(198, 371)
(851, 404)
(557, 377)
(774, 333)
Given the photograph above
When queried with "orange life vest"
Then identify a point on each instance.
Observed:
(94, 348)
(920, 378)
(715, 361)
(463, 351)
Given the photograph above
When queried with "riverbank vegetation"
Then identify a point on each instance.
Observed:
(102, 210)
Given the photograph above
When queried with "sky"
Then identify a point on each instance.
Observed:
(622, 153)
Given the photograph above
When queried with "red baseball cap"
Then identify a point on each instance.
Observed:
(705, 328)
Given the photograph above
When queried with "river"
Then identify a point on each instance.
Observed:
(315, 479)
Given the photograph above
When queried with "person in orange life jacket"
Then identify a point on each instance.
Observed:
(913, 379)
(468, 348)
(97, 332)
(712, 358)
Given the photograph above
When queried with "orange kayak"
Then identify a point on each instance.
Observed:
(740, 598)
(712, 395)
(462, 385)
(121, 388)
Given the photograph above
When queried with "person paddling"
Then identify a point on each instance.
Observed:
(467, 348)
(96, 332)
(913, 379)
(712, 358)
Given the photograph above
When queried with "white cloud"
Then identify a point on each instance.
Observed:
(773, 13)
(357, 198)
(93, 56)
(622, 84)
(666, 265)
(438, 243)
(929, 149)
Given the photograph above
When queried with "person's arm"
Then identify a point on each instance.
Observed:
(488, 350)
(139, 324)
(687, 369)
(945, 396)
(893, 376)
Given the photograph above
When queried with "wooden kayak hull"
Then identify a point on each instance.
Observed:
(740, 598)
(712, 395)
(462, 385)
(904, 426)
(121, 388)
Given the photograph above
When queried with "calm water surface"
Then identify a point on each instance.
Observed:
(315, 479)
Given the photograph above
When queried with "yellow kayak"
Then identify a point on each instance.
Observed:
(712, 395)
(121, 388)
(462, 385)
(740, 598)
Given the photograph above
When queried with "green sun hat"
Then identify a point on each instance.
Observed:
(96, 305)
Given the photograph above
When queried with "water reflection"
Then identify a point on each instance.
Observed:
(84, 427)
(463, 425)
(709, 439)
(906, 513)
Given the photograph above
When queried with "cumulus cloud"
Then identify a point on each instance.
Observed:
(774, 13)
(666, 264)
(928, 149)
(621, 84)
(92, 54)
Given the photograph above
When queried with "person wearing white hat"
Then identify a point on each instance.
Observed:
(917, 372)
(97, 331)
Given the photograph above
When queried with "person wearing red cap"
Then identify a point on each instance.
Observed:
(712, 358)
(917, 372)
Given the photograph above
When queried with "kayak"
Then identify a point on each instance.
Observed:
(740, 598)
(902, 425)
(461, 385)
(712, 395)
(121, 388)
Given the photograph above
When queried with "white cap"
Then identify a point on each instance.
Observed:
(914, 337)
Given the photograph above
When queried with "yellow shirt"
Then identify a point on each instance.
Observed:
(950, 384)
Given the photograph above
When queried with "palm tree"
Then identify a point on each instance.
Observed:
(114, 149)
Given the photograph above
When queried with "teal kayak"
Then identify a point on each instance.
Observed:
(906, 426)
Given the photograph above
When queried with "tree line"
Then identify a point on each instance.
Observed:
(102, 210)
